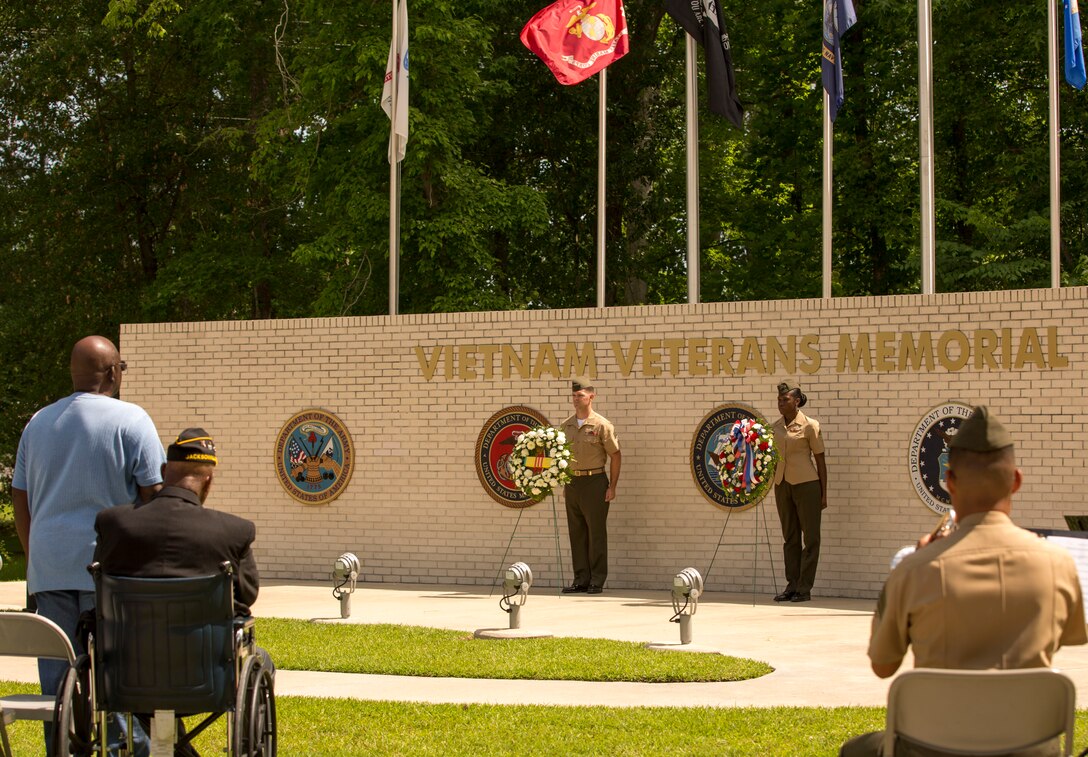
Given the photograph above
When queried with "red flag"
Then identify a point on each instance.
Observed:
(577, 39)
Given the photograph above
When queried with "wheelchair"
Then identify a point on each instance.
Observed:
(161, 648)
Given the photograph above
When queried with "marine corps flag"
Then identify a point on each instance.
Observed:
(838, 17)
(702, 19)
(577, 39)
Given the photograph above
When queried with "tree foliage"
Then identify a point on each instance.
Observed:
(204, 159)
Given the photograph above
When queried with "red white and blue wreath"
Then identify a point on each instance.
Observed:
(746, 459)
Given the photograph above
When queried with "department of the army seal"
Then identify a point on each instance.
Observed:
(927, 458)
(314, 457)
(709, 449)
(493, 449)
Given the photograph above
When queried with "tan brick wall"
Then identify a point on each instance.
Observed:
(415, 510)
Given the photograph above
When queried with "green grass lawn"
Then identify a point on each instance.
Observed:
(350, 727)
(415, 651)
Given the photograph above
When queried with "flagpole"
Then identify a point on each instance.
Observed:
(691, 77)
(1055, 147)
(829, 188)
(394, 181)
(925, 140)
(601, 140)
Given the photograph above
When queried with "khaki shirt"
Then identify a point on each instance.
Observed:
(989, 595)
(591, 444)
(796, 444)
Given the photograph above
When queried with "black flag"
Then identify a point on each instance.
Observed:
(702, 19)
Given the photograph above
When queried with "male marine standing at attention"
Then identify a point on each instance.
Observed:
(592, 443)
(77, 457)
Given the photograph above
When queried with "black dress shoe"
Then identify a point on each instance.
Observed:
(801, 597)
(785, 596)
(593, 589)
(575, 589)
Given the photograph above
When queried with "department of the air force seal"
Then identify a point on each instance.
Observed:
(493, 449)
(314, 457)
(708, 451)
(928, 456)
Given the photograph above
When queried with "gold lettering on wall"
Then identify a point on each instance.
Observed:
(989, 350)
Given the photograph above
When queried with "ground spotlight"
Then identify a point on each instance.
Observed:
(515, 590)
(345, 572)
(687, 585)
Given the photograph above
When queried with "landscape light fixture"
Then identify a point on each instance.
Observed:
(687, 585)
(345, 572)
(515, 590)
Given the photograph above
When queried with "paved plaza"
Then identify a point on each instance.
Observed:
(816, 648)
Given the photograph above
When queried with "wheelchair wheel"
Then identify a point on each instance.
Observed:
(254, 712)
(73, 714)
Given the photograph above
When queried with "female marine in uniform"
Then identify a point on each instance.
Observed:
(800, 490)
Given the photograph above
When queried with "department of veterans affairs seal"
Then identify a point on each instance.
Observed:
(314, 457)
(708, 449)
(493, 450)
(928, 455)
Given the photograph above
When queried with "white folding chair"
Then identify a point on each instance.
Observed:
(980, 712)
(24, 634)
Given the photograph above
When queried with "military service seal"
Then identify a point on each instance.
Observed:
(494, 447)
(709, 450)
(927, 458)
(314, 457)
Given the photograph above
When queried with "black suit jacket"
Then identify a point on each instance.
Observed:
(174, 536)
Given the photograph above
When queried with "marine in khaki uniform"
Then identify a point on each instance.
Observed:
(988, 595)
(594, 448)
(800, 492)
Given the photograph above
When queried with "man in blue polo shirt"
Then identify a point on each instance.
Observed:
(77, 457)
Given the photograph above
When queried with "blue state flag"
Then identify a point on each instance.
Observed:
(838, 17)
(1074, 49)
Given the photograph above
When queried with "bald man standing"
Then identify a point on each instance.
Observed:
(79, 456)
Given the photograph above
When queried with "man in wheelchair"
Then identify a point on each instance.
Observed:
(198, 559)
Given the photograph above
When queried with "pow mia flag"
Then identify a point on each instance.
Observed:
(702, 19)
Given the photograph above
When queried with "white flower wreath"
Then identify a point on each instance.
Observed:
(541, 461)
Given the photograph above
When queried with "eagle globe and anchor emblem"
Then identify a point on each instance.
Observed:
(314, 456)
(494, 450)
(597, 27)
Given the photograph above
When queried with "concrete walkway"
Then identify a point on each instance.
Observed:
(816, 648)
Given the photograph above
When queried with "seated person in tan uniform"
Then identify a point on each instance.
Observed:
(988, 595)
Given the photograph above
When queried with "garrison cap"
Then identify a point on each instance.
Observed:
(787, 386)
(982, 432)
(578, 383)
(193, 445)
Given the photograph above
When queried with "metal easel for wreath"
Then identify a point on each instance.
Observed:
(745, 475)
(535, 454)
(559, 567)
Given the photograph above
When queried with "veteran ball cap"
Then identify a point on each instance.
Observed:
(193, 445)
(982, 432)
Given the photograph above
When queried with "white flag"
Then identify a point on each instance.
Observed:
(398, 65)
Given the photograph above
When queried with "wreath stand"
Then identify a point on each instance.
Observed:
(558, 554)
(754, 544)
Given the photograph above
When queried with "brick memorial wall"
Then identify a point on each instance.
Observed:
(415, 391)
